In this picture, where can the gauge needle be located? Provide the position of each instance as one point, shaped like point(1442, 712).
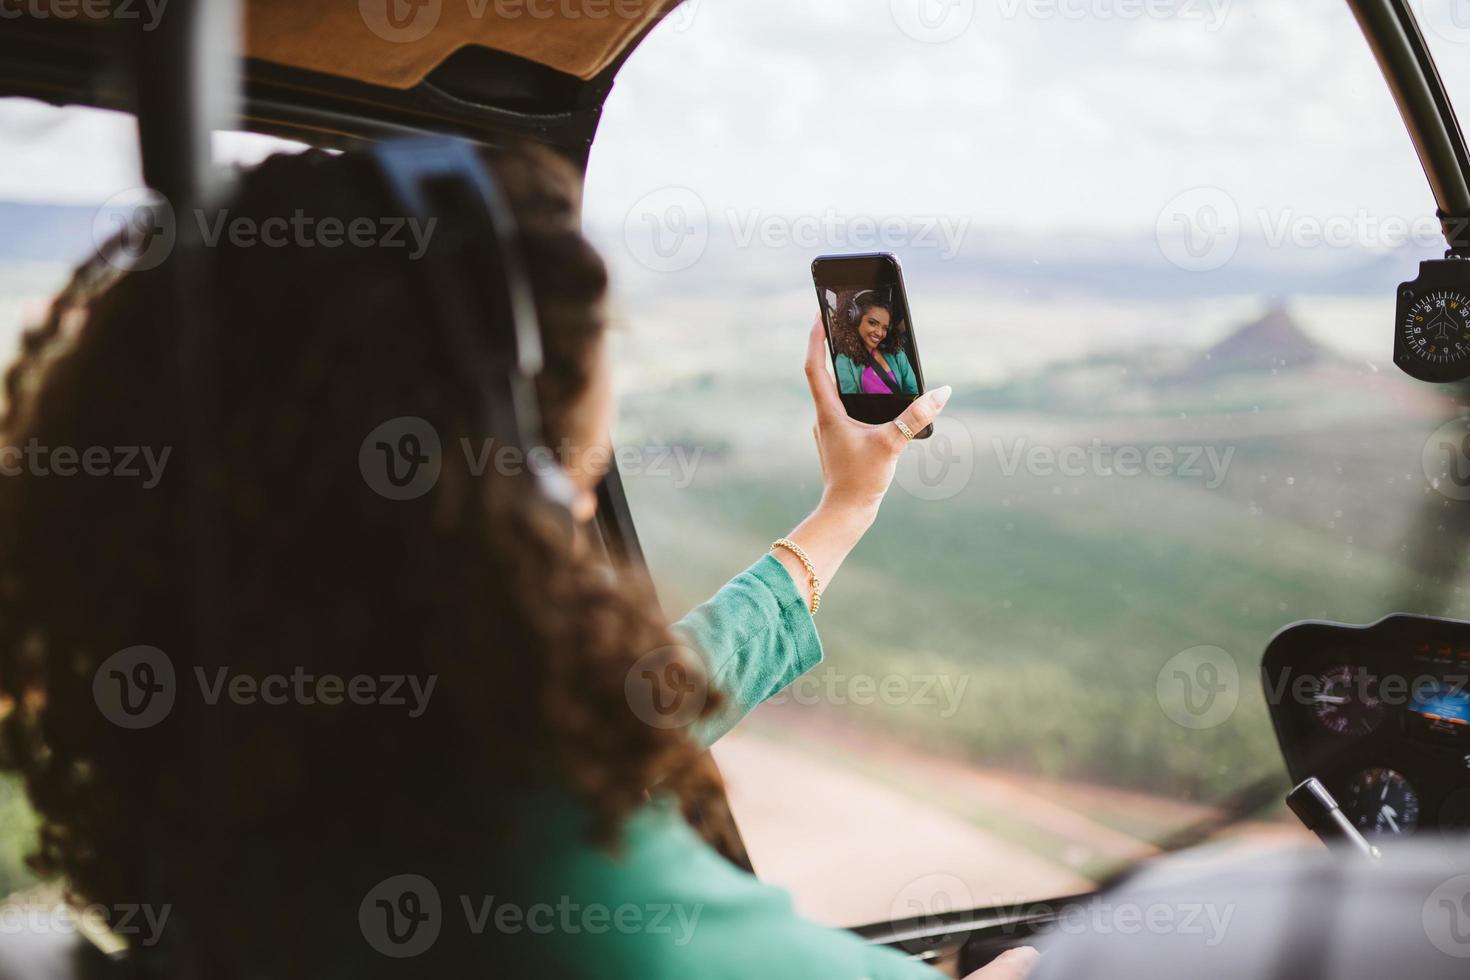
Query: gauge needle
point(1387, 814)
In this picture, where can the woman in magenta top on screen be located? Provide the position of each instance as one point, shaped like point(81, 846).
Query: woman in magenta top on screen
point(868, 338)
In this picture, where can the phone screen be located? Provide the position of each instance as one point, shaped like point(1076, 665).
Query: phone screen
point(870, 335)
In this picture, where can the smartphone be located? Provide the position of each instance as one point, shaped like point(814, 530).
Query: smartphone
point(870, 335)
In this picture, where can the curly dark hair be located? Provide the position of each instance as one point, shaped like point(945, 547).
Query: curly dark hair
point(845, 338)
point(244, 819)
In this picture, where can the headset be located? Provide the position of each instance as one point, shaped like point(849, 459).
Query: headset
point(478, 283)
point(854, 313)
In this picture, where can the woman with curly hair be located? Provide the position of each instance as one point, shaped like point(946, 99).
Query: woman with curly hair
point(868, 339)
point(424, 737)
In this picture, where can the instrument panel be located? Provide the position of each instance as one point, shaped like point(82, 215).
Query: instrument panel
point(1381, 715)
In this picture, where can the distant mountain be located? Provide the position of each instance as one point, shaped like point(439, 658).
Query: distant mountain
point(1270, 361)
point(1273, 342)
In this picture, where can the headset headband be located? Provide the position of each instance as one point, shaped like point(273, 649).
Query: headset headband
point(479, 286)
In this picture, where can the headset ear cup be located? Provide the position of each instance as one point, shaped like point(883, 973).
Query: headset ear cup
point(853, 313)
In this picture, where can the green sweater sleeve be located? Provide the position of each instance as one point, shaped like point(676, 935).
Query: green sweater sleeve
point(756, 637)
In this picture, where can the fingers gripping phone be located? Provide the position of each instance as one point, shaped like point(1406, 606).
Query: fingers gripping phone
point(870, 335)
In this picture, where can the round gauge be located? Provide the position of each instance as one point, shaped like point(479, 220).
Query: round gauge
point(1454, 814)
point(1381, 801)
point(1346, 701)
point(1437, 327)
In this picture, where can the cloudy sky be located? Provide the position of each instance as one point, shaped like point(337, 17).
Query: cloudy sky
point(1034, 115)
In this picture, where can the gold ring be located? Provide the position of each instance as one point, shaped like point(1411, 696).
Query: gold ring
point(904, 428)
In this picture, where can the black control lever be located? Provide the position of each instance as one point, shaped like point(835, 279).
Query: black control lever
point(1316, 808)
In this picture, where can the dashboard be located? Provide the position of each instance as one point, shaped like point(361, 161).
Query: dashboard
point(1381, 715)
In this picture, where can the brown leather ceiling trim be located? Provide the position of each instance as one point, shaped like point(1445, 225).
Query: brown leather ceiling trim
point(396, 43)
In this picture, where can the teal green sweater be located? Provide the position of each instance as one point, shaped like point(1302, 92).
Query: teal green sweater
point(850, 373)
point(718, 921)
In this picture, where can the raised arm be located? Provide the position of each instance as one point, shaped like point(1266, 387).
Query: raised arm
point(757, 634)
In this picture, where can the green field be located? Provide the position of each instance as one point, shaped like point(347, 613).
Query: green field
point(1060, 598)
point(1056, 599)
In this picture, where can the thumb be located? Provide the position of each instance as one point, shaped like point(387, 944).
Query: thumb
point(925, 409)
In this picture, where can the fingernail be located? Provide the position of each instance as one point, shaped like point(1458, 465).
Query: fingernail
point(941, 395)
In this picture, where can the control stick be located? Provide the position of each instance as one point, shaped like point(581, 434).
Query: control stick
point(1316, 808)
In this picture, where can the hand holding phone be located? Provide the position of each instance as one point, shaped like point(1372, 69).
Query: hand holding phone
point(870, 334)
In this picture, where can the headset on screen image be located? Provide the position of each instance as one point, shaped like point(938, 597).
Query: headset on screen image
point(853, 312)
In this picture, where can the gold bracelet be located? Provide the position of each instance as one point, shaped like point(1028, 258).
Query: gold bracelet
point(806, 563)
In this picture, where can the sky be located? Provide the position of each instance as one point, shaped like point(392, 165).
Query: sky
point(1039, 115)
point(1040, 132)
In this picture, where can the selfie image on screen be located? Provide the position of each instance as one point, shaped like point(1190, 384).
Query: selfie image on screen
point(870, 341)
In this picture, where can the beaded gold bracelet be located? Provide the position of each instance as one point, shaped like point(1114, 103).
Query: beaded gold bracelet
point(806, 563)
